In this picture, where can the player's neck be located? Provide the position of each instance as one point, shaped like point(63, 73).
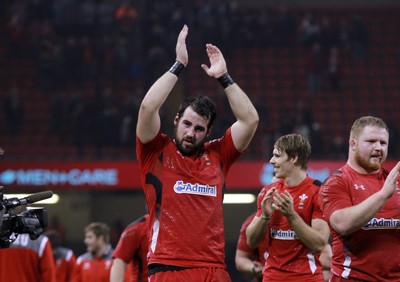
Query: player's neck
point(356, 167)
point(101, 251)
point(295, 178)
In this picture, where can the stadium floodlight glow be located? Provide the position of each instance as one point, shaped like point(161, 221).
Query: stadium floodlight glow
point(50, 201)
point(239, 198)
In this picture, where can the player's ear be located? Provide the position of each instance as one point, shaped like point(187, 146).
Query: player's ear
point(209, 131)
point(295, 159)
point(352, 144)
point(176, 119)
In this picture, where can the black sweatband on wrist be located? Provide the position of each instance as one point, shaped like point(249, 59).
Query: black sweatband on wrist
point(225, 80)
point(177, 68)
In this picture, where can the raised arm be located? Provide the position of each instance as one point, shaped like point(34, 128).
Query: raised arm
point(246, 115)
point(149, 122)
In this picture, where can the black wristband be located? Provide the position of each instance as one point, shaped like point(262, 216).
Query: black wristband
point(177, 68)
point(225, 80)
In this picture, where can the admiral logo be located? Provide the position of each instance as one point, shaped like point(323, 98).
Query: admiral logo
point(196, 189)
point(283, 234)
point(73, 177)
point(382, 223)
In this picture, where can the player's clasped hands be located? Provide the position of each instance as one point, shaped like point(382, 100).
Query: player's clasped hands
point(282, 202)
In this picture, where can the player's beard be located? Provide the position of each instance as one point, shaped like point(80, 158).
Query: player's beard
point(188, 151)
point(366, 163)
point(92, 249)
point(95, 250)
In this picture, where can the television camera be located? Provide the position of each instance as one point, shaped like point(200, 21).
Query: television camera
point(32, 220)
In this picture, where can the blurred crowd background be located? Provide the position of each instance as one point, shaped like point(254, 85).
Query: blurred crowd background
point(73, 72)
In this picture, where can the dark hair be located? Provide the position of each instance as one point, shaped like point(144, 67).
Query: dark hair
point(295, 145)
point(202, 105)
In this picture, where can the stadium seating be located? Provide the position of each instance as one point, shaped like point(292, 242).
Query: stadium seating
point(274, 77)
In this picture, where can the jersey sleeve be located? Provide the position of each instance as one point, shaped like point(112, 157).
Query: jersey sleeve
point(317, 211)
point(146, 150)
point(71, 264)
point(229, 153)
point(128, 244)
point(333, 196)
point(47, 265)
point(77, 273)
point(242, 242)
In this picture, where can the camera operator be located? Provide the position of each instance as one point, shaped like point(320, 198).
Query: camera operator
point(26, 255)
point(28, 260)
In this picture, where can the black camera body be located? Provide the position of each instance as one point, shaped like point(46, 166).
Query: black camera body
point(31, 221)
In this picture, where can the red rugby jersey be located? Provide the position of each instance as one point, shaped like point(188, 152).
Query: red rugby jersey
point(373, 252)
point(289, 259)
point(184, 196)
point(28, 260)
point(93, 269)
point(132, 248)
point(65, 261)
point(261, 251)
